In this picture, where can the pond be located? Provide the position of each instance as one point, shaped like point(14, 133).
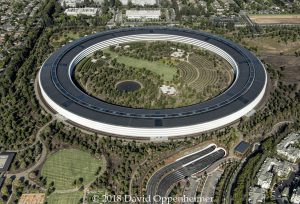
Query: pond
point(128, 85)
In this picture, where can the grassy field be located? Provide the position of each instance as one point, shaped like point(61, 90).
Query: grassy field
point(65, 198)
point(67, 165)
point(276, 19)
point(69, 35)
point(158, 67)
point(62, 38)
point(272, 45)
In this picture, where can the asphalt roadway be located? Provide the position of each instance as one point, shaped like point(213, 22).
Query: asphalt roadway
point(164, 179)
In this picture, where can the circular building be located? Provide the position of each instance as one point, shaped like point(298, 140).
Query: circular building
point(61, 93)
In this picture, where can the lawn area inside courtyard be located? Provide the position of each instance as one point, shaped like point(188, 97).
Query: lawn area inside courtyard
point(165, 71)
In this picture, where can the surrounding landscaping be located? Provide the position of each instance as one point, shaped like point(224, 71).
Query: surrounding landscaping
point(223, 183)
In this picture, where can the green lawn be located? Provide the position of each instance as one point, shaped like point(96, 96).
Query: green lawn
point(65, 198)
point(167, 72)
point(63, 36)
point(67, 165)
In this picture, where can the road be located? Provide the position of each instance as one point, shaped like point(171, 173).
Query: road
point(157, 176)
point(190, 191)
point(164, 179)
point(209, 186)
point(244, 15)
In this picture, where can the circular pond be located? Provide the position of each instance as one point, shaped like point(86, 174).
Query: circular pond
point(128, 85)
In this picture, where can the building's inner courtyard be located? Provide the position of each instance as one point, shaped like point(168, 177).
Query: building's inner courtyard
point(154, 75)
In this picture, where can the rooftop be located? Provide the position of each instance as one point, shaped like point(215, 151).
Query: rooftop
point(139, 2)
point(81, 11)
point(286, 148)
point(143, 13)
point(256, 195)
point(169, 90)
point(242, 147)
point(6, 159)
point(296, 196)
point(268, 168)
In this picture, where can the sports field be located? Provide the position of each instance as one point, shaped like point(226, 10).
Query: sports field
point(276, 19)
point(165, 71)
point(65, 198)
point(68, 165)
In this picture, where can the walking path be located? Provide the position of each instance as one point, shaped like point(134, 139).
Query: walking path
point(277, 125)
point(24, 174)
point(133, 175)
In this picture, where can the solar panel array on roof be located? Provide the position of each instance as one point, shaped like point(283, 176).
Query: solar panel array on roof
point(242, 147)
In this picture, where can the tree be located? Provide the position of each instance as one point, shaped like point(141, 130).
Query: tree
point(4, 190)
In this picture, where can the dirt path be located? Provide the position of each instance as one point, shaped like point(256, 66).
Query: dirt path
point(133, 175)
point(275, 127)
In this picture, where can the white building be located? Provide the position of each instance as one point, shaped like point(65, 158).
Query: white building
point(265, 179)
point(257, 195)
point(267, 170)
point(283, 168)
point(169, 90)
point(81, 11)
point(285, 148)
point(70, 3)
point(143, 14)
point(178, 53)
point(139, 2)
point(296, 196)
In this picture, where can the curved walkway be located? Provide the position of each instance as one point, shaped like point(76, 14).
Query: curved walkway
point(275, 127)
